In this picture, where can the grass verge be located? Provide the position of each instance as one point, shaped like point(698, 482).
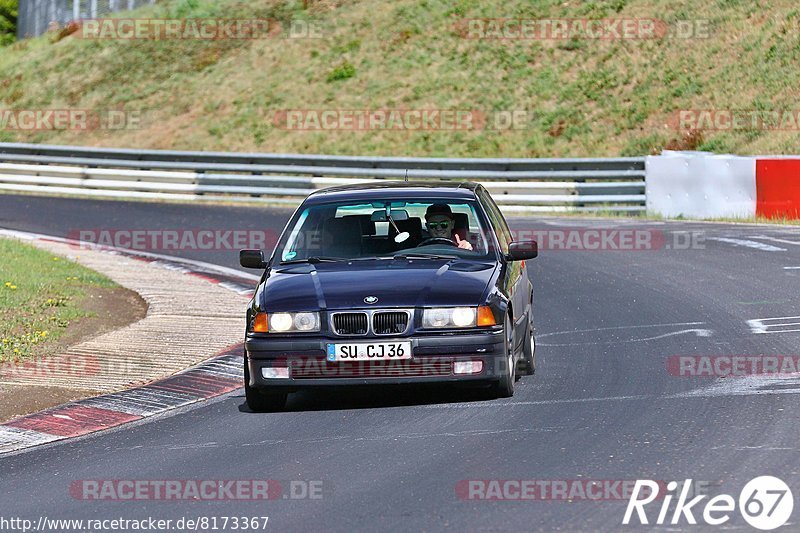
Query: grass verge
point(38, 298)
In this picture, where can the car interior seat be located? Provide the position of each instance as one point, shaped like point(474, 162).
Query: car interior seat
point(341, 237)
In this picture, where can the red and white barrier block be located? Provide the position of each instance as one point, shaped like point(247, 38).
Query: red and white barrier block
point(705, 185)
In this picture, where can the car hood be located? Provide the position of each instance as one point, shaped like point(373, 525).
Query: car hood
point(397, 283)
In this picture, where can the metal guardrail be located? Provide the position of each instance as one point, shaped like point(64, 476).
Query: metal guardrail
point(37, 16)
point(535, 185)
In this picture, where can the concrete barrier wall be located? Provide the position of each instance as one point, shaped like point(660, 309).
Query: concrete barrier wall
point(704, 185)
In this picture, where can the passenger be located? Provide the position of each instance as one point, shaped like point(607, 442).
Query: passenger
point(440, 223)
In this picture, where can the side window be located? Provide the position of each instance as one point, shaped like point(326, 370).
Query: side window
point(498, 222)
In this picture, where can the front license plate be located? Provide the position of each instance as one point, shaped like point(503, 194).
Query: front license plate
point(369, 351)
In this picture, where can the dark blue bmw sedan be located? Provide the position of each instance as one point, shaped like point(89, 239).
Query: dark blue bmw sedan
point(390, 283)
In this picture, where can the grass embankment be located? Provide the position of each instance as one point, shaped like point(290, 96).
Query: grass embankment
point(588, 97)
point(39, 298)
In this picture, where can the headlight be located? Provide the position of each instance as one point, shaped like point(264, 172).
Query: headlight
point(463, 317)
point(306, 322)
point(280, 322)
point(449, 317)
point(285, 322)
point(436, 318)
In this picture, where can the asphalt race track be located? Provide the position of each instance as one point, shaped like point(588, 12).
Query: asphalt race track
point(603, 404)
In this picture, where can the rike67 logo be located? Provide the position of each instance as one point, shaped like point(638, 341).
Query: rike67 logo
point(765, 503)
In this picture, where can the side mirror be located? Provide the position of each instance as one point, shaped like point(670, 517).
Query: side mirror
point(252, 259)
point(519, 251)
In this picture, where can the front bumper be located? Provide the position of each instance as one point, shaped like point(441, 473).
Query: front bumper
point(432, 361)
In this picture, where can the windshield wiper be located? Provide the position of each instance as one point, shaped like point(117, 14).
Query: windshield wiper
point(314, 259)
point(424, 256)
point(372, 258)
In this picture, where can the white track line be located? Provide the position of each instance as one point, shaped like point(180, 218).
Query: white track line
point(749, 244)
point(567, 332)
point(774, 239)
point(764, 325)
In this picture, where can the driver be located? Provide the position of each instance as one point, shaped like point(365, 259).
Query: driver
point(440, 223)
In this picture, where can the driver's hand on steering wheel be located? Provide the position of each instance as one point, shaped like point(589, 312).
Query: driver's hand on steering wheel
point(463, 243)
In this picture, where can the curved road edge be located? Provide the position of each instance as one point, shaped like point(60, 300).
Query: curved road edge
point(127, 366)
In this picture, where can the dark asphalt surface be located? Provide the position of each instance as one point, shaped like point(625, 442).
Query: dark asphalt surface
point(602, 405)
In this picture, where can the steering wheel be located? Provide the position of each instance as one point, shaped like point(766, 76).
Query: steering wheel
point(437, 240)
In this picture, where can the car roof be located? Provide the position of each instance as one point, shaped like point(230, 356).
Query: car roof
point(390, 190)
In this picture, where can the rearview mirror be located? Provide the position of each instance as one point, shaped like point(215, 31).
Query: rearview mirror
point(252, 259)
point(519, 251)
point(397, 214)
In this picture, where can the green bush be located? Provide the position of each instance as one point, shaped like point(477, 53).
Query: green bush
point(9, 9)
point(342, 72)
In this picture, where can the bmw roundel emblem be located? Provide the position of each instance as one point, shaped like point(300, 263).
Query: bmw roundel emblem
point(370, 299)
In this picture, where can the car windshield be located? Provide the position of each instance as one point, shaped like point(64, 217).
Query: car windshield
point(386, 229)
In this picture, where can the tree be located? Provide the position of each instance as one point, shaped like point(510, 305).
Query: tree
point(9, 9)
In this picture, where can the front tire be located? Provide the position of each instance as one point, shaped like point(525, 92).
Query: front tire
point(528, 363)
point(504, 388)
point(259, 401)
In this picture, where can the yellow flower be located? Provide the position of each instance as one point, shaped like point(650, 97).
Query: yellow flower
point(8, 283)
point(56, 259)
point(16, 350)
point(12, 287)
point(5, 341)
point(43, 334)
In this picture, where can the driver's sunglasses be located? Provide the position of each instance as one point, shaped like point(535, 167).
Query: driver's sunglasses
point(439, 225)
